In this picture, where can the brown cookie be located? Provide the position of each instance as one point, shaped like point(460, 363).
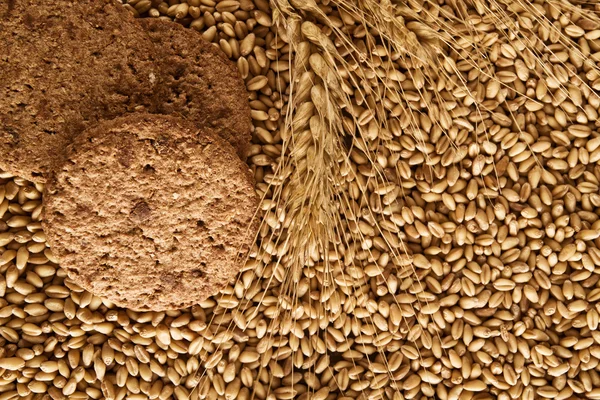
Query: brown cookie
point(64, 65)
point(203, 86)
point(150, 212)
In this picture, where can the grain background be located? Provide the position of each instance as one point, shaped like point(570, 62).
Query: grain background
point(431, 218)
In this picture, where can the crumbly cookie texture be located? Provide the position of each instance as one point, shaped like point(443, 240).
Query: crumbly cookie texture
point(65, 65)
point(150, 212)
point(201, 84)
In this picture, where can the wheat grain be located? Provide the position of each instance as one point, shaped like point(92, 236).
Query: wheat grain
point(437, 174)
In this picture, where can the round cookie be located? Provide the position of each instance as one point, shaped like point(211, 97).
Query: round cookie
point(64, 65)
point(150, 212)
point(202, 85)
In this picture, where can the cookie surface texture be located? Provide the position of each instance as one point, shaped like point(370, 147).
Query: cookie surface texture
point(64, 65)
point(151, 213)
point(201, 84)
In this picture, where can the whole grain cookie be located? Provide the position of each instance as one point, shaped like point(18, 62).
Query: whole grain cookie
point(202, 85)
point(64, 65)
point(150, 212)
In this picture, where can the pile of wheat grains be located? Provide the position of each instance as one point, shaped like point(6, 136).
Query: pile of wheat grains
point(466, 260)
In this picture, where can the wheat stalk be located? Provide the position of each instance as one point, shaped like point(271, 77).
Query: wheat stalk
point(325, 126)
point(336, 50)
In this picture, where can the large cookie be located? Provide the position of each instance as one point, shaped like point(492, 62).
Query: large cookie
point(150, 212)
point(64, 65)
point(202, 85)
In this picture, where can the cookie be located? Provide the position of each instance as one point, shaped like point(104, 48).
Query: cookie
point(64, 65)
point(150, 212)
point(202, 85)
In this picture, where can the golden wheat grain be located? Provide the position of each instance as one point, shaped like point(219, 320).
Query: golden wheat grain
point(527, 225)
